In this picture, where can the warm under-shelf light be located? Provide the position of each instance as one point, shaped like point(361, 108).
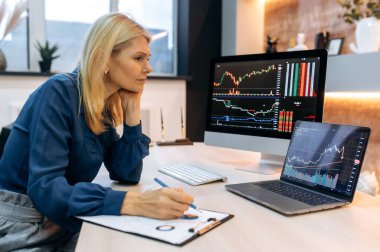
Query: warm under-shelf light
point(360, 95)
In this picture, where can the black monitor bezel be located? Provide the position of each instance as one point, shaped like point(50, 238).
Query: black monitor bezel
point(321, 53)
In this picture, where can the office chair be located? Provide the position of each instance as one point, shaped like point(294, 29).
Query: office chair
point(5, 131)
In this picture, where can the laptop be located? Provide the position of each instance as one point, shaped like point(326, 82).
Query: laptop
point(320, 171)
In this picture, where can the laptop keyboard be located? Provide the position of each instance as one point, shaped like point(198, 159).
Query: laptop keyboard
point(295, 193)
point(191, 174)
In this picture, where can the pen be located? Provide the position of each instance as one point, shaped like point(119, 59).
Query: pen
point(162, 127)
point(207, 228)
point(165, 185)
point(182, 126)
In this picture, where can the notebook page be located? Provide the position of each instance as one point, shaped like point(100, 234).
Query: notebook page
point(174, 231)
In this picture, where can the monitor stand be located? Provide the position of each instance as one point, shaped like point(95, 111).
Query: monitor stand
point(269, 164)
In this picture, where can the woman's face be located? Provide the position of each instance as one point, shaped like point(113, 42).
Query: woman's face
point(128, 69)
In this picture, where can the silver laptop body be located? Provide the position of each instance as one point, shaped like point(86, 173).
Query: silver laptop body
point(320, 171)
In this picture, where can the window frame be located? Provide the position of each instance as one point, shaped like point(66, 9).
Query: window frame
point(36, 30)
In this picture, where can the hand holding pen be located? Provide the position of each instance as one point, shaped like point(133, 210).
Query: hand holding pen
point(165, 185)
point(166, 203)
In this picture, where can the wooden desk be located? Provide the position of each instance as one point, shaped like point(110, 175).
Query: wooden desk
point(254, 228)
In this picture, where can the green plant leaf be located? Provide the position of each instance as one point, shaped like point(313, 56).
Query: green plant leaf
point(47, 52)
point(358, 9)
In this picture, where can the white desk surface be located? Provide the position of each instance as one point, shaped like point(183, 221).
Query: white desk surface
point(254, 227)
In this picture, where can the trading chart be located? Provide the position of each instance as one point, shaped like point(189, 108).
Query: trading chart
point(325, 156)
point(265, 96)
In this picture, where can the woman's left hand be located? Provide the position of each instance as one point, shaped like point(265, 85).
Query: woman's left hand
point(130, 102)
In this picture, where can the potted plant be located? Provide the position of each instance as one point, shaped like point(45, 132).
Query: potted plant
point(366, 15)
point(47, 55)
point(356, 10)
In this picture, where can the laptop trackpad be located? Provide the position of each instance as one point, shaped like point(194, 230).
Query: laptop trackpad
point(267, 198)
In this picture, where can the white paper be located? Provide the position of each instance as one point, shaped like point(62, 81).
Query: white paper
point(148, 227)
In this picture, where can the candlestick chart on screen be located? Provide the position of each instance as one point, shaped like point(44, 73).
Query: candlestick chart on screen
point(264, 96)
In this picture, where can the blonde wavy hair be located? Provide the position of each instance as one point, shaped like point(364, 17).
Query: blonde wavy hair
point(107, 36)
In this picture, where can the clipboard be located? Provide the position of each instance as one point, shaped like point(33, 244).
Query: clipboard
point(176, 232)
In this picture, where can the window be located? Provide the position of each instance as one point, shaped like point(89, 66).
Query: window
point(14, 44)
point(67, 26)
point(159, 18)
point(66, 23)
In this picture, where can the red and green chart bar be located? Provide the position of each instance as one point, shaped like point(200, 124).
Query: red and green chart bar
point(285, 121)
point(299, 79)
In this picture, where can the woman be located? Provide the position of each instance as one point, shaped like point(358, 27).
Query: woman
point(65, 131)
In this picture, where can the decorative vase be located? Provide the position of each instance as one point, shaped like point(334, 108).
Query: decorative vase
point(45, 66)
point(367, 35)
point(3, 61)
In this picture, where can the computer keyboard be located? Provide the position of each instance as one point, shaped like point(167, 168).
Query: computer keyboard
point(191, 174)
point(296, 193)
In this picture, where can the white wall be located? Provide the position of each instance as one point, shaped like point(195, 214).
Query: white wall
point(14, 90)
point(168, 94)
point(242, 26)
point(353, 72)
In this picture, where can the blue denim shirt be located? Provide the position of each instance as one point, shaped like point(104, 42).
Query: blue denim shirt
point(52, 156)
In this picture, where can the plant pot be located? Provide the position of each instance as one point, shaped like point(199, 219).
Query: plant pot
point(3, 61)
point(367, 35)
point(45, 66)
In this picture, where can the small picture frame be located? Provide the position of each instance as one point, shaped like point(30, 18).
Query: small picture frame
point(334, 46)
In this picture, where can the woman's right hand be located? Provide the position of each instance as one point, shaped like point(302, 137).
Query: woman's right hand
point(130, 102)
point(164, 203)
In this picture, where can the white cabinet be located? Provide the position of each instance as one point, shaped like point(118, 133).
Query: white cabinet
point(168, 94)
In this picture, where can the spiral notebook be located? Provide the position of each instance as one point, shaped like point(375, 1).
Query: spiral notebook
point(177, 231)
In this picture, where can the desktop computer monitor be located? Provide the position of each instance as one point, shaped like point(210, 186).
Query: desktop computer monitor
point(254, 101)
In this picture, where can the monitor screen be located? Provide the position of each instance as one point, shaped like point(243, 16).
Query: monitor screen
point(263, 95)
point(326, 156)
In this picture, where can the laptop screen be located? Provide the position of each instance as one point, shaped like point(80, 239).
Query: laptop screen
point(326, 156)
